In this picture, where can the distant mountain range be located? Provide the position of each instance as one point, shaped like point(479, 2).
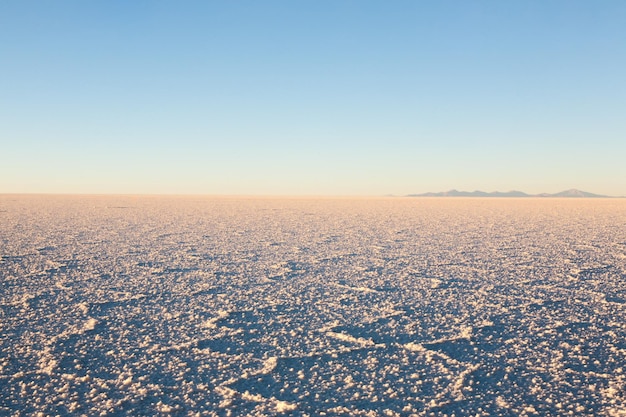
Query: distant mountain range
point(573, 193)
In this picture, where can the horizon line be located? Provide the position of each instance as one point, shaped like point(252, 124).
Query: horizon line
point(542, 196)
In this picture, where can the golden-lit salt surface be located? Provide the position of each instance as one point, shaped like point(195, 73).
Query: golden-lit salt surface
point(250, 306)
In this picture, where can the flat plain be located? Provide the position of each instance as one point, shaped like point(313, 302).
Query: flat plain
point(138, 305)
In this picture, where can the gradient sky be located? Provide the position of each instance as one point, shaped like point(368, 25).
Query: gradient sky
point(312, 97)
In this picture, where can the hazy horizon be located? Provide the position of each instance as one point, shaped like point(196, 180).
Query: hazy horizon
point(312, 196)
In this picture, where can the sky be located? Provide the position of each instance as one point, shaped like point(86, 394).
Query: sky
point(312, 97)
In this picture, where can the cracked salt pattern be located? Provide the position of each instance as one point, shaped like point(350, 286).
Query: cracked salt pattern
point(250, 306)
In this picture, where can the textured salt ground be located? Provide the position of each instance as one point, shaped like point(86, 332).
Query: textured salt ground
point(233, 306)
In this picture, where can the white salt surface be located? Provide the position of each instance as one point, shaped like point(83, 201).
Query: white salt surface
point(234, 306)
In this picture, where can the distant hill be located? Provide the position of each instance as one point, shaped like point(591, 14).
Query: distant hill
point(578, 194)
point(573, 193)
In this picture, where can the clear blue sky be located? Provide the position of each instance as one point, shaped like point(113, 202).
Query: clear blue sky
point(312, 97)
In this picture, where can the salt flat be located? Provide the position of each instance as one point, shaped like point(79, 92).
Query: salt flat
point(251, 306)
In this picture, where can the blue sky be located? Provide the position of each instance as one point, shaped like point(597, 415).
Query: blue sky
point(312, 97)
